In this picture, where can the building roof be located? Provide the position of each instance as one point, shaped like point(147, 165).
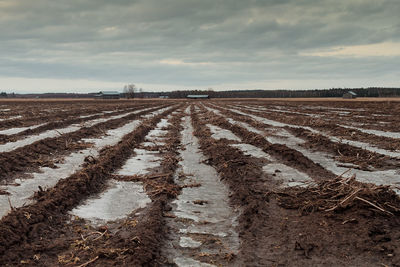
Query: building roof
point(351, 92)
point(197, 96)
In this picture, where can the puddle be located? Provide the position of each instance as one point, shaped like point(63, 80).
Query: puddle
point(91, 115)
point(288, 175)
point(282, 133)
point(247, 149)
point(236, 122)
point(187, 242)
point(270, 110)
point(19, 129)
point(122, 198)
point(253, 151)
point(11, 118)
point(100, 120)
point(144, 159)
point(358, 144)
point(387, 177)
point(33, 138)
point(260, 119)
point(365, 146)
point(219, 133)
point(54, 133)
point(375, 132)
point(157, 112)
point(140, 163)
point(118, 201)
point(48, 177)
point(204, 209)
point(157, 135)
point(322, 108)
point(188, 262)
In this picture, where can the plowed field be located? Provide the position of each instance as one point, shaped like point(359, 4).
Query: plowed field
point(199, 183)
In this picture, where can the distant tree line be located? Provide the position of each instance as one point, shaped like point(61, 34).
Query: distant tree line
point(47, 95)
point(131, 91)
point(333, 92)
point(5, 95)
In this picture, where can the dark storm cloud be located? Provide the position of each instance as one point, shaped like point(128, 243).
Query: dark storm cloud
point(196, 43)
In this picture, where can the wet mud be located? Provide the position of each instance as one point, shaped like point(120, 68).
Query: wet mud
point(202, 222)
point(40, 219)
point(204, 186)
point(44, 153)
point(288, 236)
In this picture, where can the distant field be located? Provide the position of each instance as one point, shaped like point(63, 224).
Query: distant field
point(223, 182)
point(322, 99)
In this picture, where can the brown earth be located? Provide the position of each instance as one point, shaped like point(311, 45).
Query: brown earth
point(336, 221)
point(43, 153)
point(276, 235)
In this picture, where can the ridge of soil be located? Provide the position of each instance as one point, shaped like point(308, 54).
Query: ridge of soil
point(287, 155)
point(330, 127)
point(53, 124)
point(273, 235)
point(344, 153)
point(41, 153)
point(32, 115)
point(329, 221)
point(138, 239)
point(38, 219)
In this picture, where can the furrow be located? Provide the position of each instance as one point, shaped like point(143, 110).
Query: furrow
point(44, 152)
point(321, 158)
point(201, 220)
point(51, 204)
point(373, 140)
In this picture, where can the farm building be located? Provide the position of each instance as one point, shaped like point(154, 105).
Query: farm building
point(108, 95)
point(198, 96)
point(349, 95)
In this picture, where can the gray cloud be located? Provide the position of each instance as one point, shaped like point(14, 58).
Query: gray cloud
point(196, 43)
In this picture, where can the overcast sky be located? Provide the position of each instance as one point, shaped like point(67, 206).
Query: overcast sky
point(88, 45)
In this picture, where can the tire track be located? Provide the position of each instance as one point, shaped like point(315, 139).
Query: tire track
point(202, 222)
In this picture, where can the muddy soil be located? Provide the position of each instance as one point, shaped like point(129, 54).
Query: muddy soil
point(286, 155)
point(45, 153)
point(364, 159)
point(55, 122)
point(379, 116)
point(25, 114)
point(202, 223)
point(275, 235)
point(40, 221)
point(211, 189)
point(331, 127)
